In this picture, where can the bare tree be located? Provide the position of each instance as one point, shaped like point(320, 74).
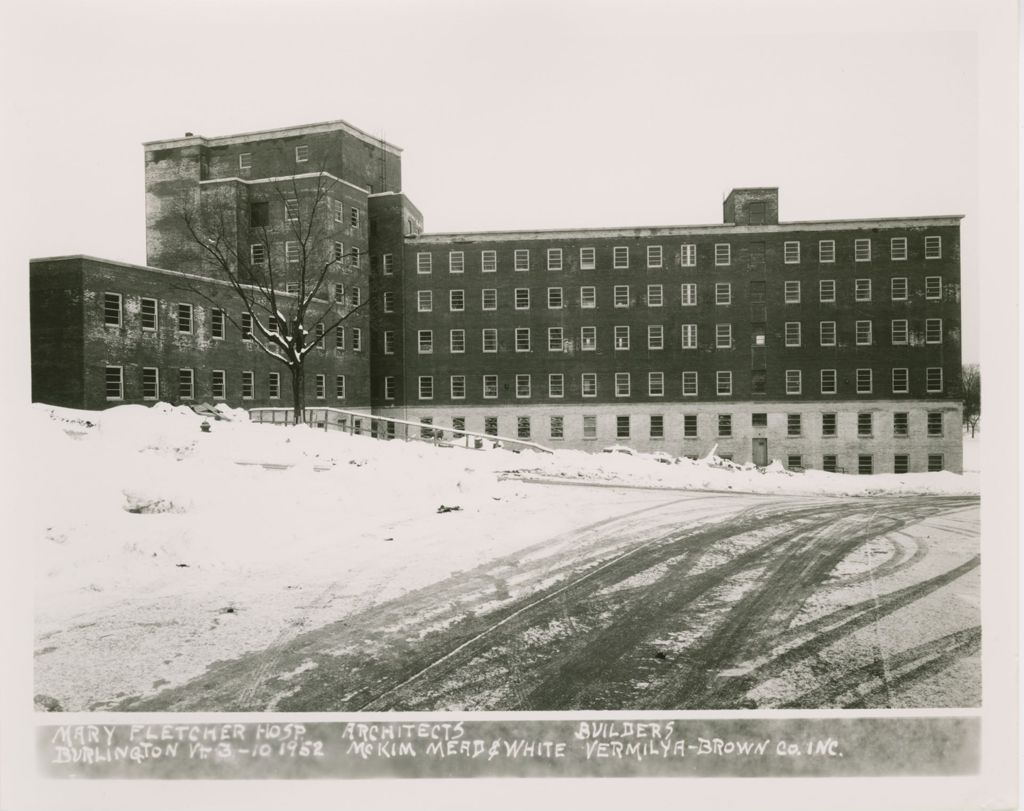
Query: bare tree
point(286, 274)
point(970, 382)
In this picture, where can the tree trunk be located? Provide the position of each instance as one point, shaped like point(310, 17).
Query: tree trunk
point(298, 393)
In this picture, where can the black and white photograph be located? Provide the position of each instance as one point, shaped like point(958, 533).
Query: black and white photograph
point(579, 390)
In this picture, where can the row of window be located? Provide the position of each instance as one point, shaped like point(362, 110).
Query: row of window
point(656, 387)
point(301, 156)
point(655, 255)
point(293, 253)
point(185, 389)
point(259, 213)
point(622, 295)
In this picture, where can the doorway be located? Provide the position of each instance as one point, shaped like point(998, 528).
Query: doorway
point(760, 451)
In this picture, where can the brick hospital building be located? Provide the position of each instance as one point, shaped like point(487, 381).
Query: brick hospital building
point(830, 344)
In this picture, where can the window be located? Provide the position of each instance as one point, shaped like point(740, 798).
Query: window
point(246, 327)
point(186, 384)
point(249, 385)
point(865, 466)
point(898, 288)
point(490, 340)
point(794, 381)
point(426, 387)
point(291, 210)
point(355, 296)
point(424, 263)
point(555, 336)
point(933, 288)
point(339, 387)
point(245, 160)
point(114, 382)
point(794, 425)
point(900, 331)
point(424, 301)
point(827, 291)
point(862, 250)
point(489, 299)
point(588, 384)
point(274, 385)
point(829, 462)
point(458, 387)
point(338, 251)
point(933, 330)
point(339, 211)
point(588, 259)
point(185, 318)
point(792, 292)
point(655, 336)
point(865, 423)
point(622, 426)
point(456, 300)
point(291, 287)
point(292, 253)
point(723, 253)
point(257, 253)
point(792, 333)
point(456, 262)
point(387, 262)
point(151, 383)
point(389, 342)
point(827, 250)
point(901, 423)
point(589, 426)
point(112, 310)
point(935, 461)
point(456, 341)
point(301, 153)
point(828, 381)
point(862, 290)
point(588, 298)
point(148, 315)
point(320, 336)
point(259, 214)
point(794, 461)
point(425, 340)
point(791, 253)
point(620, 295)
point(655, 295)
point(622, 384)
point(353, 218)
point(864, 381)
point(339, 339)
point(933, 379)
point(828, 424)
point(622, 337)
point(901, 463)
point(554, 298)
point(523, 385)
point(656, 384)
point(620, 258)
point(523, 427)
point(490, 386)
point(689, 332)
point(588, 339)
point(827, 333)
point(272, 323)
point(389, 300)
point(689, 384)
point(556, 385)
point(554, 258)
point(488, 261)
point(522, 298)
point(339, 295)
point(426, 432)
point(723, 293)
point(758, 337)
point(863, 333)
point(934, 423)
point(522, 339)
point(898, 249)
point(725, 424)
point(491, 426)
point(522, 260)
point(390, 388)
point(688, 255)
point(689, 426)
point(654, 256)
point(758, 381)
point(723, 384)
point(933, 247)
point(759, 420)
point(723, 336)
point(688, 293)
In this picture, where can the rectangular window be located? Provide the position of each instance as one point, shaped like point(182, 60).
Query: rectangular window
point(689, 333)
point(622, 384)
point(390, 388)
point(900, 331)
point(426, 387)
point(588, 298)
point(425, 341)
point(301, 153)
point(898, 288)
point(933, 247)
point(356, 258)
point(657, 426)
point(387, 262)
point(112, 310)
point(933, 379)
point(355, 296)
point(655, 295)
point(620, 258)
point(828, 424)
point(554, 258)
point(291, 287)
point(827, 333)
point(829, 462)
point(688, 294)
point(723, 336)
point(864, 381)
point(424, 263)
point(723, 384)
point(426, 432)
point(456, 341)
point(655, 336)
point(357, 339)
point(151, 383)
point(523, 427)
point(654, 256)
point(337, 251)
point(865, 465)
point(291, 210)
point(555, 337)
point(622, 426)
point(339, 211)
point(389, 342)
point(557, 428)
point(794, 461)
point(491, 426)
point(689, 384)
point(589, 426)
point(862, 250)
point(588, 259)
point(320, 336)
point(249, 385)
point(524, 386)
point(522, 298)
point(688, 255)
point(292, 253)
point(522, 259)
point(827, 291)
point(901, 423)
point(488, 262)
point(794, 381)
point(424, 301)
point(933, 330)
point(862, 290)
point(456, 262)
point(901, 463)
point(622, 337)
point(792, 333)
point(556, 385)
point(865, 423)
point(490, 386)
point(274, 385)
point(934, 423)
point(490, 340)
point(725, 424)
point(898, 249)
point(620, 295)
point(216, 323)
point(828, 381)
point(655, 384)
point(114, 382)
point(794, 425)
point(827, 250)
point(257, 253)
point(456, 300)
point(935, 463)
point(458, 387)
point(792, 292)
point(246, 327)
point(339, 339)
point(522, 339)
point(353, 218)
point(791, 253)
point(339, 295)
point(723, 254)
point(186, 384)
point(489, 299)
point(339, 387)
point(723, 293)
point(690, 426)
point(245, 160)
point(863, 333)
point(148, 314)
point(588, 339)
point(758, 336)
point(185, 318)
point(588, 384)
point(933, 288)
point(554, 298)
point(259, 214)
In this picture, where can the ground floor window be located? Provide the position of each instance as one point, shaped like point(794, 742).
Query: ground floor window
point(557, 427)
point(935, 462)
point(151, 383)
point(794, 461)
point(426, 432)
point(689, 425)
point(186, 384)
point(622, 427)
point(491, 426)
point(459, 425)
point(523, 427)
point(901, 463)
point(865, 465)
point(115, 382)
point(724, 426)
point(589, 426)
point(657, 426)
point(828, 463)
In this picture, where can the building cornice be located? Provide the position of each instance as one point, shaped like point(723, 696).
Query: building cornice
point(282, 179)
point(282, 132)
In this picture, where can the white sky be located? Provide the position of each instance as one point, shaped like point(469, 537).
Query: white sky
point(513, 115)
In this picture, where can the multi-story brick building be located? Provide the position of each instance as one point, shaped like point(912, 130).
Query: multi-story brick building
point(826, 344)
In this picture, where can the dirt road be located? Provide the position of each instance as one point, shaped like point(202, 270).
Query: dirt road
point(700, 601)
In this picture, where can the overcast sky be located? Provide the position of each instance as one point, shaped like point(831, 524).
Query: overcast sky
point(513, 115)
